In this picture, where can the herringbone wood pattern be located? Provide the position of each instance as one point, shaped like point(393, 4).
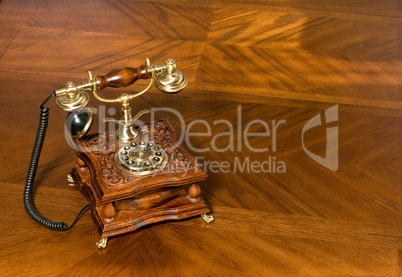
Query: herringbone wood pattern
point(272, 60)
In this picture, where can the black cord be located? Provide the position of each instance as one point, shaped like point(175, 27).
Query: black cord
point(47, 99)
point(33, 166)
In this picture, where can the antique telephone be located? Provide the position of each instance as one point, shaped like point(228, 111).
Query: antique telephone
point(131, 177)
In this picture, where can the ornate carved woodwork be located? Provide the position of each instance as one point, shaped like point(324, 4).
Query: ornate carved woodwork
point(122, 202)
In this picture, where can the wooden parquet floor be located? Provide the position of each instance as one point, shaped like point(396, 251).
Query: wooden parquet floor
point(248, 63)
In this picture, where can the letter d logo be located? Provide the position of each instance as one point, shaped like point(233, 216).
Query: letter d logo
point(331, 153)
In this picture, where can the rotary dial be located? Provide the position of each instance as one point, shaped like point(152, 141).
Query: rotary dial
point(141, 158)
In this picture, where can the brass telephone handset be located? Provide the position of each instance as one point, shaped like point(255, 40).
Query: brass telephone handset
point(167, 78)
point(73, 98)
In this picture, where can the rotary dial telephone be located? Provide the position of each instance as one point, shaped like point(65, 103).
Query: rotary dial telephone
point(131, 177)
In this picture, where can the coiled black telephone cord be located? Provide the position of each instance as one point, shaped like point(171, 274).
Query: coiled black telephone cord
point(33, 166)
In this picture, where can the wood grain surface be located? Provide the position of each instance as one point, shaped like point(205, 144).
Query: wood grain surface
point(270, 61)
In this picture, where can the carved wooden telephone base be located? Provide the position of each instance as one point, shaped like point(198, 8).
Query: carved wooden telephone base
point(121, 202)
point(133, 177)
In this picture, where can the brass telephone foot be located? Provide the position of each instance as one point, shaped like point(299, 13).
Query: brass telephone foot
point(207, 218)
point(102, 243)
point(70, 180)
